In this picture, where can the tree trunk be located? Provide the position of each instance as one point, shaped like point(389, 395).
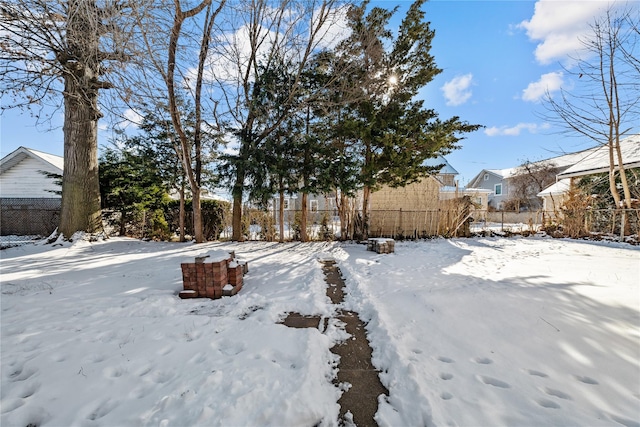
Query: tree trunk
point(182, 213)
point(80, 210)
point(303, 218)
point(342, 214)
point(281, 217)
point(612, 176)
point(236, 220)
point(197, 217)
point(366, 193)
point(623, 176)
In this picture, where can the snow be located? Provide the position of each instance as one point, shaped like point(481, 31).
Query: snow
point(466, 332)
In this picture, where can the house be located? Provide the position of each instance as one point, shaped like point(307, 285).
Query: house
point(595, 160)
point(29, 200)
point(499, 181)
point(554, 196)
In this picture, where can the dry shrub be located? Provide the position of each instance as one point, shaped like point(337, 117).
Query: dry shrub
point(573, 219)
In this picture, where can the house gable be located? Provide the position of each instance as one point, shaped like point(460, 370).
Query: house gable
point(21, 177)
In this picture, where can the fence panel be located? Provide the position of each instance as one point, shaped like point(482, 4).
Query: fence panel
point(29, 216)
point(26, 219)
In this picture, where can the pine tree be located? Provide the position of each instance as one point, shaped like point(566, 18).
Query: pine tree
point(394, 132)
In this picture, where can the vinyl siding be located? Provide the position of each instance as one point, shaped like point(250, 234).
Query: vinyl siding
point(25, 180)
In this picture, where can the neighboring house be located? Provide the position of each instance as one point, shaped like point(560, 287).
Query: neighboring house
point(29, 200)
point(554, 196)
point(318, 206)
point(595, 160)
point(205, 194)
point(497, 181)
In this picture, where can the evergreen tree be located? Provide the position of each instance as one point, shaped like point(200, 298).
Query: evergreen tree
point(394, 132)
point(130, 183)
point(159, 141)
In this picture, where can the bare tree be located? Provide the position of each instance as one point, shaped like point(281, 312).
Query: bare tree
point(530, 179)
point(54, 49)
point(175, 38)
point(193, 174)
point(605, 103)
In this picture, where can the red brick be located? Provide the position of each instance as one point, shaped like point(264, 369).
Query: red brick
point(236, 278)
point(188, 294)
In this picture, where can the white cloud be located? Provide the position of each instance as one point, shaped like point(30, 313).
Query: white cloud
point(335, 28)
point(558, 26)
point(133, 116)
point(515, 130)
point(457, 91)
point(548, 83)
point(231, 52)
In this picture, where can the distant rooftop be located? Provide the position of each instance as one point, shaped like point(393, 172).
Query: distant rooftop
point(597, 160)
point(447, 169)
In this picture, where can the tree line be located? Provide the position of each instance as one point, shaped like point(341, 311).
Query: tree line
point(312, 96)
point(306, 96)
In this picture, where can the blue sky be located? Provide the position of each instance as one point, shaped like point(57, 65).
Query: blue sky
point(497, 57)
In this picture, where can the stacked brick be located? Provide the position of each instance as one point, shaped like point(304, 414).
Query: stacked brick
point(381, 245)
point(212, 279)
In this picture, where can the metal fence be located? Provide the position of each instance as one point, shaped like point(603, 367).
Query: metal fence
point(26, 219)
point(402, 224)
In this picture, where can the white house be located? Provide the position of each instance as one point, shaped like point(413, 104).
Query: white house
point(29, 200)
point(21, 174)
point(595, 160)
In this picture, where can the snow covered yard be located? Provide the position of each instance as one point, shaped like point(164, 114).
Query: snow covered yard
point(467, 332)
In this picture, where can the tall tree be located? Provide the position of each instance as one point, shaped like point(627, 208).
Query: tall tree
point(175, 37)
point(193, 167)
point(257, 36)
point(54, 49)
point(395, 132)
point(158, 140)
point(604, 104)
point(130, 182)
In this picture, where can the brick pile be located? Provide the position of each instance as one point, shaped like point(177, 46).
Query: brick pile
point(381, 245)
point(212, 279)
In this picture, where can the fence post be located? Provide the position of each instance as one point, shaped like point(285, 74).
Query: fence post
point(502, 222)
point(623, 221)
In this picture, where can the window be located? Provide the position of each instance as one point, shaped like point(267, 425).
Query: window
point(286, 204)
point(498, 189)
point(314, 205)
point(486, 177)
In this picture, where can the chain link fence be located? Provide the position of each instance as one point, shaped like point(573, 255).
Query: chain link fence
point(23, 220)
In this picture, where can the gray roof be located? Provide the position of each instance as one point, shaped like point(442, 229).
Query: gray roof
point(597, 160)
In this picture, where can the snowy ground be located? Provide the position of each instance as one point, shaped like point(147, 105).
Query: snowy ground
point(467, 332)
